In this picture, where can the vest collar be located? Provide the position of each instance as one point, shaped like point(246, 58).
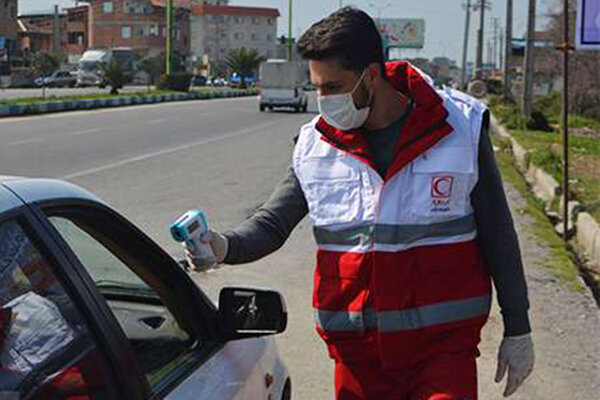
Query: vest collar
point(425, 126)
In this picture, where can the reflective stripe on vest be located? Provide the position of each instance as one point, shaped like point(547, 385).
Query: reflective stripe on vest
point(405, 320)
point(394, 234)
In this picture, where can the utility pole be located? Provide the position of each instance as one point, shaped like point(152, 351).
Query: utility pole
point(169, 41)
point(463, 72)
point(566, 47)
point(290, 43)
point(56, 31)
point(495, 20)
point(501, 51)
point(481, 5)
point(507, 48)
point(528, 87)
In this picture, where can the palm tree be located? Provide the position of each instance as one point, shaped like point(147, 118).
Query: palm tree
point(244, 62)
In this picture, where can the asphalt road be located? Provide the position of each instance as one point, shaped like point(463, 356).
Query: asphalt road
point(155, 162)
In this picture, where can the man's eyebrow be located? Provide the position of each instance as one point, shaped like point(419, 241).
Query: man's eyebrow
point(329, 84)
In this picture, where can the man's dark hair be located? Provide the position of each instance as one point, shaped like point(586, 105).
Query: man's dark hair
point(348, 35)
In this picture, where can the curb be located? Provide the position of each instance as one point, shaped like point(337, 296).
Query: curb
point(546, 188)
point(588, 235)
point(16, 110)
point(543, 184)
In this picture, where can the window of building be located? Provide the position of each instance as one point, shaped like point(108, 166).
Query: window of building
point(270, 21)
point(256, 21)
point(126, 32)
point(107, 7)
point(254, 36)
point(154, 30)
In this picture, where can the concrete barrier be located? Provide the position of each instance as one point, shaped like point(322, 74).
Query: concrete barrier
point(54, 106)
point(588, 236)
point(544, 186)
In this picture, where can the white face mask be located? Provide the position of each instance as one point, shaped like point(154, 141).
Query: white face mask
point(339, 110)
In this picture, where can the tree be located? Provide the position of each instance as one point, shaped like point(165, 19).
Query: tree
point(44, 64)
point(155, 66)
point(244, 62)
point(584, 85)
point(115, 76)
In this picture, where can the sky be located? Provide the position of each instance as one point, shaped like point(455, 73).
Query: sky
point(444, 19)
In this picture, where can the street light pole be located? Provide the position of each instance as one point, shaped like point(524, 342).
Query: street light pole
point(290, 48)
point(169, 39)
point(465, 46)
point(508, 48)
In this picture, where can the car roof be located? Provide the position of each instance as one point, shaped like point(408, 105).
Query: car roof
point(16, 191)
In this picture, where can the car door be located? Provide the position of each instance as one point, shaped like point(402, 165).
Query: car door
point(50, 347)
point(165, 319)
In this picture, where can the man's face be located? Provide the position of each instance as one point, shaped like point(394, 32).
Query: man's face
point(330, 77)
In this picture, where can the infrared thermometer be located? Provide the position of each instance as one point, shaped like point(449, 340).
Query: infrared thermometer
point(189, 229)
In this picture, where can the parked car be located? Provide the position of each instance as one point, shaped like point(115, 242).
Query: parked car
point(58, 79)
point(90, 307)
point(199, 80)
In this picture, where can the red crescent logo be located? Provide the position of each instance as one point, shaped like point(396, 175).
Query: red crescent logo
point(441, 187)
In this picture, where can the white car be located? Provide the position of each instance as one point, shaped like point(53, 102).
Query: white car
point(91, 308)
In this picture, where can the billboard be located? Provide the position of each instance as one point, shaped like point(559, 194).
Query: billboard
point(587, 35)
point(403, 33)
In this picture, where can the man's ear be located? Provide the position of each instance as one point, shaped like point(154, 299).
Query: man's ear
point(374, 75)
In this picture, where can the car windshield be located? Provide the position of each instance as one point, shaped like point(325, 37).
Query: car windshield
point(88, 66)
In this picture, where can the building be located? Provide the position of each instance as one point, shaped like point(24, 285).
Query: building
point(139, 24)
point(37, 34)
point(8, 33)
point(217, 28)
point(546, 76)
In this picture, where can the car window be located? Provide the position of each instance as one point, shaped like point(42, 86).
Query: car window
point(162, 346)
point(46, 349)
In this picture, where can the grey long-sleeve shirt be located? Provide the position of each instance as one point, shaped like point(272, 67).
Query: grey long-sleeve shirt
point(268, 229)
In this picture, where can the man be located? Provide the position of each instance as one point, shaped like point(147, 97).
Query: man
point(410, 219)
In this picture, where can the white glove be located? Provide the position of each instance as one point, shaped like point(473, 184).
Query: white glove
point(202, 262)
point(515, 354)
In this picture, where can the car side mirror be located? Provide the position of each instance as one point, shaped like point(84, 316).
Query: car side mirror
point(245, 313)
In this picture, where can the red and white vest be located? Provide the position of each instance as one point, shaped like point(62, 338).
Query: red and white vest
point(399, 274)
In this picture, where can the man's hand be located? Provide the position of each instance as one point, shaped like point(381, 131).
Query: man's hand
point(219, 246)
point(515, 355)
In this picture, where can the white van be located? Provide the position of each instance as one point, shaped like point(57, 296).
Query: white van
point(282, 85)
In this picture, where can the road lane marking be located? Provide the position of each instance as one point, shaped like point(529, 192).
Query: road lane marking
point(26, 141)
point(170, 150)
point(84, 132)
point(155, 121)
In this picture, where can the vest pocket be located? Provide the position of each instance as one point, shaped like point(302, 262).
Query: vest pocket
point(340, 295)
point(332, 189)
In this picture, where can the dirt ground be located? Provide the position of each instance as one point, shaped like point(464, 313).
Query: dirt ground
point(566, 331)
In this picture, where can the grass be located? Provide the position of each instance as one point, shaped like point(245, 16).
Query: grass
point(98, 96)
point(559, 261)
point(584, 167)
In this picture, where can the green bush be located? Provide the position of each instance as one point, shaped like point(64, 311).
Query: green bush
point(494, 86)
point(538, 122)
point(178, 81)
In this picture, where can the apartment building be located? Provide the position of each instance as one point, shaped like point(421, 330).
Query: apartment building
point(139, 24)
point(216, 28)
